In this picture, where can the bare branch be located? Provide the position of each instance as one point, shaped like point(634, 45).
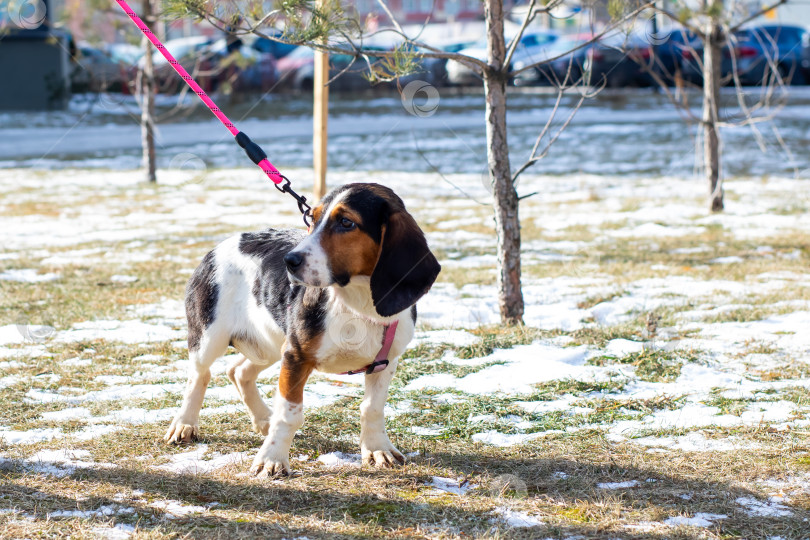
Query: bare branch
point(516, 40)
point(391, 16)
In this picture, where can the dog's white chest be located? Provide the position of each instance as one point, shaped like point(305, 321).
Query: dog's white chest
point(351, 342)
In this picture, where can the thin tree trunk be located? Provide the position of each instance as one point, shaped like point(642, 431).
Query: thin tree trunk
point(711, 109)
point(507, 223)
point(147, 94)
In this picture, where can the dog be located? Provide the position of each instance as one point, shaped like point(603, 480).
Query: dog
point(338, 299)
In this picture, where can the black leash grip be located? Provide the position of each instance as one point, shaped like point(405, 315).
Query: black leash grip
point(253, 150)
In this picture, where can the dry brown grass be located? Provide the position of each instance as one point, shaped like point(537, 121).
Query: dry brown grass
point(560, 470)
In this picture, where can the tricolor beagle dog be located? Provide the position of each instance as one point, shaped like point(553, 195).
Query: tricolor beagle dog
point(339, 299)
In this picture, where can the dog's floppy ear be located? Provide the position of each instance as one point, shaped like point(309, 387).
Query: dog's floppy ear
point(406, 268)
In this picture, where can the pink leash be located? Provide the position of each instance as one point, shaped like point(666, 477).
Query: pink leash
point(253, 150)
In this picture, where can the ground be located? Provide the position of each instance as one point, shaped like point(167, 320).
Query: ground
point(659, 388)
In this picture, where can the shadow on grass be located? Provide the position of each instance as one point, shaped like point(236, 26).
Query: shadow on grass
point(350, 502)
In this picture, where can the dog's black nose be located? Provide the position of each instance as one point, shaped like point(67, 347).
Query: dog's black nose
point(293, 260)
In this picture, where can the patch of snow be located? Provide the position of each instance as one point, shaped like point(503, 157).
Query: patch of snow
point(563, 403)
point(447, 398)
point(167, 310)
point(131, 332)
point(339, 459)
point(176, 509)
point(29, 351)
point(119, 278)
point(643, 526)
point(733, 259)
point(90, 433)
point(519, 372)
point(426, 431)
point(32, 436)
point(27, 275)
point(193, 463)
point(62, 462)
point(700, 519)
point(496, 438)
point(137, 416)
point(66, 415)
point(457, 338)
point(618, 485)
point(768, 412)
point(120, 531)
point(10, 334)
point(10, 364)
point(111, 379)
point(768, 508)
point(106, 510)
point(9, 380)
point(697, 442)
point(451, 485)
point(76, 362)
point(515, 518)
point(622, 347)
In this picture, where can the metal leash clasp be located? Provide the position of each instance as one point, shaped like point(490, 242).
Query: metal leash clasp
point(303, 207)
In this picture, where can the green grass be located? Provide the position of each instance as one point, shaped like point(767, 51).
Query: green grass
point(654, 365)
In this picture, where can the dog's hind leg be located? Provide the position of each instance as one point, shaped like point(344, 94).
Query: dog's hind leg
point(185, 426)
point(243, 374)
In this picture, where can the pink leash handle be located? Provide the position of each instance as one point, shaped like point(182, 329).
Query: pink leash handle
point(253, 150)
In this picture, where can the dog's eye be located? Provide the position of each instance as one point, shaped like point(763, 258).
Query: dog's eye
point(347, 224)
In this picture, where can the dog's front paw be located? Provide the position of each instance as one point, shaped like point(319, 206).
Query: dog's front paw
point(270, 468)
point(381, 454)
point(180, 432)
point(269, 464)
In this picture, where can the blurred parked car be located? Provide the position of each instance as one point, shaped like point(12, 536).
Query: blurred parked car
point(757, 51)
point(291, 64)
point(296, 70)
point(530, 44)
point(558, 55)
point(457, 45)
point(124, 53)
point(214, 63)
point(187, 52)
point(669, 50)
point(94, 70)
point(263, 45)
point(241, 66)
point(620, 60)
point(614, 61)
point(805, 57)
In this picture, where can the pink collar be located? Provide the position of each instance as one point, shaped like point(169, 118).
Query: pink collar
point(381, 360)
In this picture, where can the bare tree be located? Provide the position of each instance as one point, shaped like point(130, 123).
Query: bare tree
point(713, 24)
point(712, 36)
point(146, 92)
point(327, 27)
point(507, 222)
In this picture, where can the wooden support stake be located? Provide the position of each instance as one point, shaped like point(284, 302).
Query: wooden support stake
point(320, 118)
